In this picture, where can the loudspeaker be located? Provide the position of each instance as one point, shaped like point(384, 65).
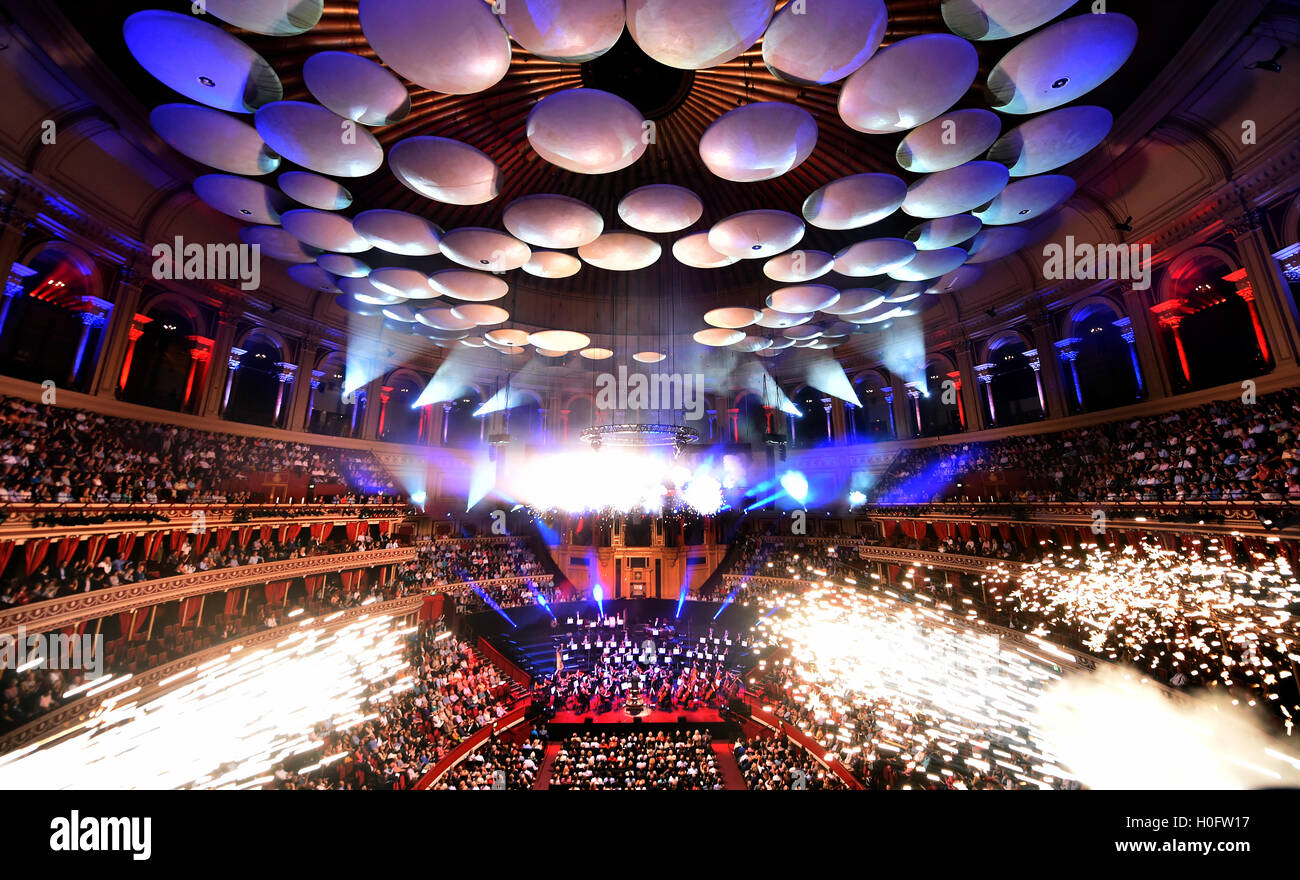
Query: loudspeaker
point(637, 720)
point(681, 719)
point(588, 721)
point(738, 706)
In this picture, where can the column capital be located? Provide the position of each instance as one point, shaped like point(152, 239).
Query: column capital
point(200, 348)
point(1068, 349)
point(1171, 312)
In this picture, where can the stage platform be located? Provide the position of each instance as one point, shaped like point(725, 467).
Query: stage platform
point(618, 716)
point(711, 721)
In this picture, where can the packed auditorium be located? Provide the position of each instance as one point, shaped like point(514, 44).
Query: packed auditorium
point(798, 395)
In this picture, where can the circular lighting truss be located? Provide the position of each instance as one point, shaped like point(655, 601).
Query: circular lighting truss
point(640, 435)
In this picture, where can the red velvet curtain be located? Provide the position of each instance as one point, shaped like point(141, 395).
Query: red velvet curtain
point(125, 543)
point(66, 550)
point(232, 601)
point(276, 591)
point(95, 548)
point(190, 608)
point(432, 607)
point(6, 552)
point(223, 538)
point(35, 553)
point(131, 621)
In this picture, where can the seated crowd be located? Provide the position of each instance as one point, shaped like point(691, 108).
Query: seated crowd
point(58, 454)
point(775, 764)
point(455, 693)
point(439, 563)
point(668, 760)
point(1220, 451)
point(52, 580)
point(517, 762)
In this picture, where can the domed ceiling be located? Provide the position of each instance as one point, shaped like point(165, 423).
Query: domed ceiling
point(584, 164)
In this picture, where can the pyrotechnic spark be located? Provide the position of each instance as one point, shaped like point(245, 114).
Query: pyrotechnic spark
point(893, 678)
point(231, 722)
point(1199, 614)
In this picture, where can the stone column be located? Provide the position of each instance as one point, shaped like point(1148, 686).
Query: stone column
point(124, 328)
point(968, 388)
point(1053, 388)
point(1155, 375)
point(232, 370)
point(901, 409)
point(1068, 351)
point(1170, 314)
point(284, 397)
point(217, 388)
point(15, 220)
point(12, 290)
point(984, 376)
point(839, 422)
point(94, 316)
point(1247, 293)
point(914, 410)
point(1129, 335)
point(200, 357)
point(1275, 305)
point(1036, 364)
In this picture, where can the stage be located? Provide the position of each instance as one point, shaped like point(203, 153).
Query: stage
point(618, 716)
point(565, 723)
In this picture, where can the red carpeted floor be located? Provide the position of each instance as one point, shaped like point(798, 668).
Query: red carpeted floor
point(618, 716)
point(543, 780)
point(731, 775)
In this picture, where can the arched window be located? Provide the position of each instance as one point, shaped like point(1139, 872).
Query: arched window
point(751, 422)
point(400, 422)
point(257, 395)
point(1008, 389)
point(1212, 321)
point(163, 369)
point(812, 428)
point(462, 427)
point(1104, 364)
point(49, 327)
point(938, 406)
point(523, 421)
point(331, 414)
point(874, 418)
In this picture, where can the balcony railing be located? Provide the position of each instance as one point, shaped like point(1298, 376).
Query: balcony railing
point(20, 521)
point(67, 611)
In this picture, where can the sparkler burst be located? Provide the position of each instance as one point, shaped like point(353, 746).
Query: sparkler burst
point(1191, 612)
point(229, 722)
point(877, 675)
